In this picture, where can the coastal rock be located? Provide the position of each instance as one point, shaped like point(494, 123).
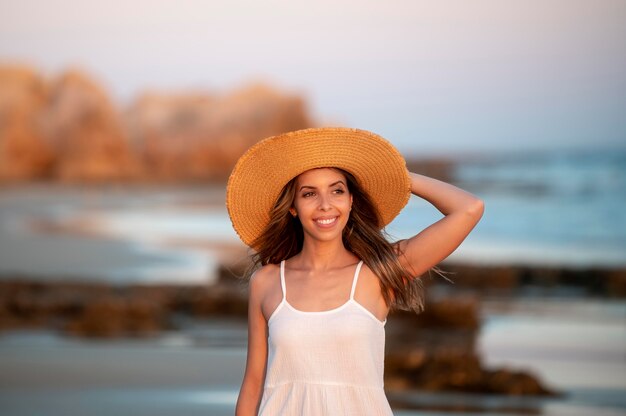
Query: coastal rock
point(86, 133)
point(25, 153)
point(449, 321)
point(458, 312)
point(515, 383)
point(39, 304)
point(111, 317)
point(501, 280)
point(201, 136)
point(69, 130)
point(615, 283)
point(453, 369)
point(512, 280)
point(215, 300)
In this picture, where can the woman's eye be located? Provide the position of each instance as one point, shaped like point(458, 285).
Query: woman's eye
point(307, 194)
point(339, 191)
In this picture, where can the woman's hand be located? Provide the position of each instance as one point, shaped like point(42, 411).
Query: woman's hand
point(461, 211)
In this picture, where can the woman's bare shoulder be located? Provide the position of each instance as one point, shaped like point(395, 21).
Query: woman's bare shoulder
point(264, 277)
point(265, 288)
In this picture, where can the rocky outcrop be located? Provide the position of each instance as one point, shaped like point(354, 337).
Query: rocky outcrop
point(69, 130)
point(114, 317)
point(511, 280)
point(102, 311)
point(25, 153)
point(455, 369)
point(452, 322)
point(201, 136)
point(86, 133)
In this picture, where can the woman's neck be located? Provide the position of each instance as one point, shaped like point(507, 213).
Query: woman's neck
point(321, 256)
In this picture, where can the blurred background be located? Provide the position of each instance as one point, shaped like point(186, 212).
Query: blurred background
point(121, 121)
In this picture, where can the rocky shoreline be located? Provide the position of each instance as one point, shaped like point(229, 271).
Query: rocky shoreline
point(432, 351)
point(515, 280)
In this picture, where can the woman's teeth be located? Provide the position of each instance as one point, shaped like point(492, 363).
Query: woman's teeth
point(327, 221)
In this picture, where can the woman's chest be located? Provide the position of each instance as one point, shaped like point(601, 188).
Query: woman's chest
point(294, 330)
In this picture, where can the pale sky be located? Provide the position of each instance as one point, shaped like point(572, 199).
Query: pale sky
point(434, 77)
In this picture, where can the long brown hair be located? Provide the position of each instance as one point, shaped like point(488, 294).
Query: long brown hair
point(363, 235)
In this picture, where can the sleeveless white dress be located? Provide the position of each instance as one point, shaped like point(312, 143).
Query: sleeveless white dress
point(325, 363)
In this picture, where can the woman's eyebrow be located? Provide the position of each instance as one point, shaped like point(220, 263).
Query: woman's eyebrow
point(313, 187)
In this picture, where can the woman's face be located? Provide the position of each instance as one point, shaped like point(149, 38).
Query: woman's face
point(322, 203)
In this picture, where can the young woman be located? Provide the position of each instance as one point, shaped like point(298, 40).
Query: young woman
point(313, 205)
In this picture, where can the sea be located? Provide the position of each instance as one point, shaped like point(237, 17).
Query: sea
point(560, 208)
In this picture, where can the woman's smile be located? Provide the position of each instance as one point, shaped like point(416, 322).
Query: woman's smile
point(326, 222)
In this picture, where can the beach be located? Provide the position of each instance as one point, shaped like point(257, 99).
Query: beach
point(542, 308)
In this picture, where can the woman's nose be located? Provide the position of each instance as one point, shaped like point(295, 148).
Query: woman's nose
point(324, 203)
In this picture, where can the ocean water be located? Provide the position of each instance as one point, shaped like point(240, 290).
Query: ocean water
point(562, 209)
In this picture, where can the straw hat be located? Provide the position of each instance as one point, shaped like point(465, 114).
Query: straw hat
point(261, 173)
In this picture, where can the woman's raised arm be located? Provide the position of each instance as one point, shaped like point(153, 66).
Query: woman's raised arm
point(461, 211)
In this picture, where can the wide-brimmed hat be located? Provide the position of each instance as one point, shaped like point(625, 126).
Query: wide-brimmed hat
point(261, 173)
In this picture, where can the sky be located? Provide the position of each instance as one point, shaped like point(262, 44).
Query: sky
point(435, 77)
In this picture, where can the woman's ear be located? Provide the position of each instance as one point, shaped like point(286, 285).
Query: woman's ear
point(293, 212)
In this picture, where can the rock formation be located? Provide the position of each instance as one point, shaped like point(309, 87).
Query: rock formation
point(86, 132)
point(24, 151)
point(201, 136)
point(69, 130)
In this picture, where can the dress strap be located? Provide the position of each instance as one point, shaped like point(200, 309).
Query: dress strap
point(355, 279)
point(282, 279)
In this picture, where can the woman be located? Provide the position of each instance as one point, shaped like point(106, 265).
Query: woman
point(313, 204)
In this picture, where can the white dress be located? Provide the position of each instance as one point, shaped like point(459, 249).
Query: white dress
point(325, 363)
